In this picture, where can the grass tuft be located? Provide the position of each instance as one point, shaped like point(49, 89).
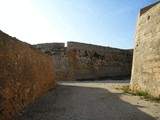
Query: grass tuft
point(126, 89)
point(143, 94)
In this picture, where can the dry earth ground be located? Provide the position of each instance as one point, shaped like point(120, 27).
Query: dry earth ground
point(90, 100)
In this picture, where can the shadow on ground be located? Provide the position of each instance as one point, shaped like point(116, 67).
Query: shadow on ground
point(81, 103)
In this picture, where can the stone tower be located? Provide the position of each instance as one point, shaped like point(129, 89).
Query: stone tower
point(146, 57)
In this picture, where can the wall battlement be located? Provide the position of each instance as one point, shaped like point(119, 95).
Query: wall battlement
point(145, 9)
point(50, 46)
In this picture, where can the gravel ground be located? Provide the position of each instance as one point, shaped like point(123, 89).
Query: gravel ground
point(90, 100)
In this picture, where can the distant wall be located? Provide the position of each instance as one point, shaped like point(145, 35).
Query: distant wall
point(86, 61)
point(46, 47)
point(25, 74)
point(146, 59)
point(96, 62)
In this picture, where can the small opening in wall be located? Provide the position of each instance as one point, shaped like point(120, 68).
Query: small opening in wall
point(148, 17)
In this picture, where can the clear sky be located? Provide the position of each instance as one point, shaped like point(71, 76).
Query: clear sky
point(102, 22)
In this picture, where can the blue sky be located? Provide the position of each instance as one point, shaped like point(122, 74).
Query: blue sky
point(102, 22)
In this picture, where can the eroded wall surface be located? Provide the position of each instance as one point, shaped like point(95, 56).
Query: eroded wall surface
point(79, 61)
point(146, 57)
point(92, 62)
point(25, 74)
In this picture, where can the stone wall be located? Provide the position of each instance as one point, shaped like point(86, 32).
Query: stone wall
point(93, 62)
point(25, 74)
point(81, 61)
point(49, 46)
point(146, 59)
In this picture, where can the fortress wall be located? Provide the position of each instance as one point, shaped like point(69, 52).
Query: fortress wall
point(25, 74)
point(58, 53)
point(80, 61)
point(50, 46)
point(92, 61)
point(146, 59)
point(60, 59)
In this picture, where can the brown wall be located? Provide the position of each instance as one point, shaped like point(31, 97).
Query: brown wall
point(25, 74)
point(81, 61)
point(97, 62)
point(146, 57)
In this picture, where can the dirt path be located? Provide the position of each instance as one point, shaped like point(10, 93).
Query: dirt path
point(90, 101)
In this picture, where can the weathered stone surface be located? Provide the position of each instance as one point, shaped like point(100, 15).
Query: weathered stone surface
point(146, 59)
point(25, 74)
point(85, 61)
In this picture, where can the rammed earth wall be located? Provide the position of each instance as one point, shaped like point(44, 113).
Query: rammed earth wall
point(25, 74)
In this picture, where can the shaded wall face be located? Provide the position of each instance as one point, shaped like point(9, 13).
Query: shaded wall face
point(25, 74)
point(146, 59)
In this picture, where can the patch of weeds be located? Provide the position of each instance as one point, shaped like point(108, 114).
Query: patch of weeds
point(126, 89)
point(143, 94)
point(150, 97)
